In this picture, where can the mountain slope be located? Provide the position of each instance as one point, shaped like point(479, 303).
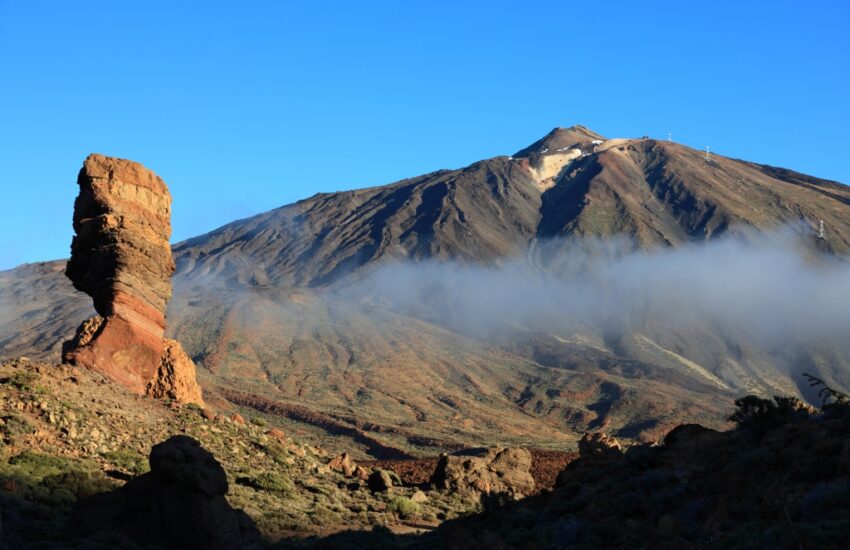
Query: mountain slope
point(275, 306)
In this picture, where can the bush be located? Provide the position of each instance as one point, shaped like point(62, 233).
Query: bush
point(54, 480)
point(23, 381)
point(267, 481)
point(257, 421)
point(130, 461)
point(15, 425)
point(403, 507)
point(757, 410)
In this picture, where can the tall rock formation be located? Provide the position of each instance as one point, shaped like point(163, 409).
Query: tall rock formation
point(121, 257)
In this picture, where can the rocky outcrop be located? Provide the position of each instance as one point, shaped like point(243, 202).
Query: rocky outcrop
point(380, 481)
point(499, 471)
point(343, 463)
point(175, 378)
point(180, 503)
point(121, 257)
point(598, 445)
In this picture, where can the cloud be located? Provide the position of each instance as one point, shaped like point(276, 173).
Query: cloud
point(771, 289)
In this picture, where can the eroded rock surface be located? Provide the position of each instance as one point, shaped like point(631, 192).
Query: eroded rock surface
point(175, 378)
point(500, 471)
point(121, 257)
point(598, 445)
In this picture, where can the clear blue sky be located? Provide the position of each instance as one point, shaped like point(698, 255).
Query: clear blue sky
point(245, 106)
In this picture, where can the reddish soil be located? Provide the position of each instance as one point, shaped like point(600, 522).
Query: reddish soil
point(545, 467)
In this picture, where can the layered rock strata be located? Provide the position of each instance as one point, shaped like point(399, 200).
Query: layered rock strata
point(121, 257)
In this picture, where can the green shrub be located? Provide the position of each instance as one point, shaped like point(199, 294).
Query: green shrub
point(324, 516)
point(53, 480)
point(23, 380)
point(15, 425)
point(131, 461)
point(257, 421)
point(402, 506)
point(267, 481)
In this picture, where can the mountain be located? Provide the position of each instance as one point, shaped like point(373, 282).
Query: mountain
point(287, 311)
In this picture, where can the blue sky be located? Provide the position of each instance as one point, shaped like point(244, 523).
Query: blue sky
point(245, 106)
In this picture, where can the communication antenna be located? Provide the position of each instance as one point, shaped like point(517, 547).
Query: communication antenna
point(707, 153)
point(669, 137)
point(821, 231)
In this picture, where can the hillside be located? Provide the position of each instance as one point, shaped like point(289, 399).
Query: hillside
point(288, 311)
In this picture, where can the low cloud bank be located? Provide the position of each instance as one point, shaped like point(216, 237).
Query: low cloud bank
point(773, 290)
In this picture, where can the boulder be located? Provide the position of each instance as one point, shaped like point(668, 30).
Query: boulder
point(180, 503)
point(379, 481)
point(598, 445)
point(499, 471)
point(121, 257)
point(175, 378)
point(343, 463)
point(693, 438)
point(276, 434)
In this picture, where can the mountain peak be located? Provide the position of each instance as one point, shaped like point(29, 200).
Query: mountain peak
point(560, 138)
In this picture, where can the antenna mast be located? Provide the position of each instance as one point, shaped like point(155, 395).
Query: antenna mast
point(669, 137)
point(707, 153)
point(821, 231)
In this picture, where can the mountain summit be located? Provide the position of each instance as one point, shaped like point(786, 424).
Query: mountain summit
point(559, 140)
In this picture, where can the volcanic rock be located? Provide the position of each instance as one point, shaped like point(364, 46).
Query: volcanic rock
point(175, 378)
point(499, 471)
point(599, 445)
point(380, 481)
point(121, 257)
point(343, 463)
point(179, 503)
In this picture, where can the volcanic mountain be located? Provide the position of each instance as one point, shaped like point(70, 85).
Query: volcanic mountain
point(286, 310)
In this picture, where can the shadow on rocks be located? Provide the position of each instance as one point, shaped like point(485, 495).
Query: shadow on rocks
point(180, 503)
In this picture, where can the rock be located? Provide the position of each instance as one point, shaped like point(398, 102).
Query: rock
point(343, 463)
point(598, 445)
point(500, 471)
point(276, 434)
point(419, 497)
point(237, 419)
point(380, 481)
point(208, 414)
point(693, 438)
point(175, 378)
point(180, 503)
point(121, 257)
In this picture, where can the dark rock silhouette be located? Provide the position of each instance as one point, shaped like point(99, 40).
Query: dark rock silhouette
point(180, 503)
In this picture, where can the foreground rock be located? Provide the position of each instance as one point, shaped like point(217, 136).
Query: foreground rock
point(121, 257)
point(781, 479)
point(175, 378)
point(498, 471)
point(180, 503)
point(598, 445)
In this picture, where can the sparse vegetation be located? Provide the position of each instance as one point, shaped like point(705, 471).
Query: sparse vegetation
point(21, 380)
point(129, 461)
point(828, 395)
point(758, 410)
point(53, 480)
point(403, 506)
point(267, 481)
